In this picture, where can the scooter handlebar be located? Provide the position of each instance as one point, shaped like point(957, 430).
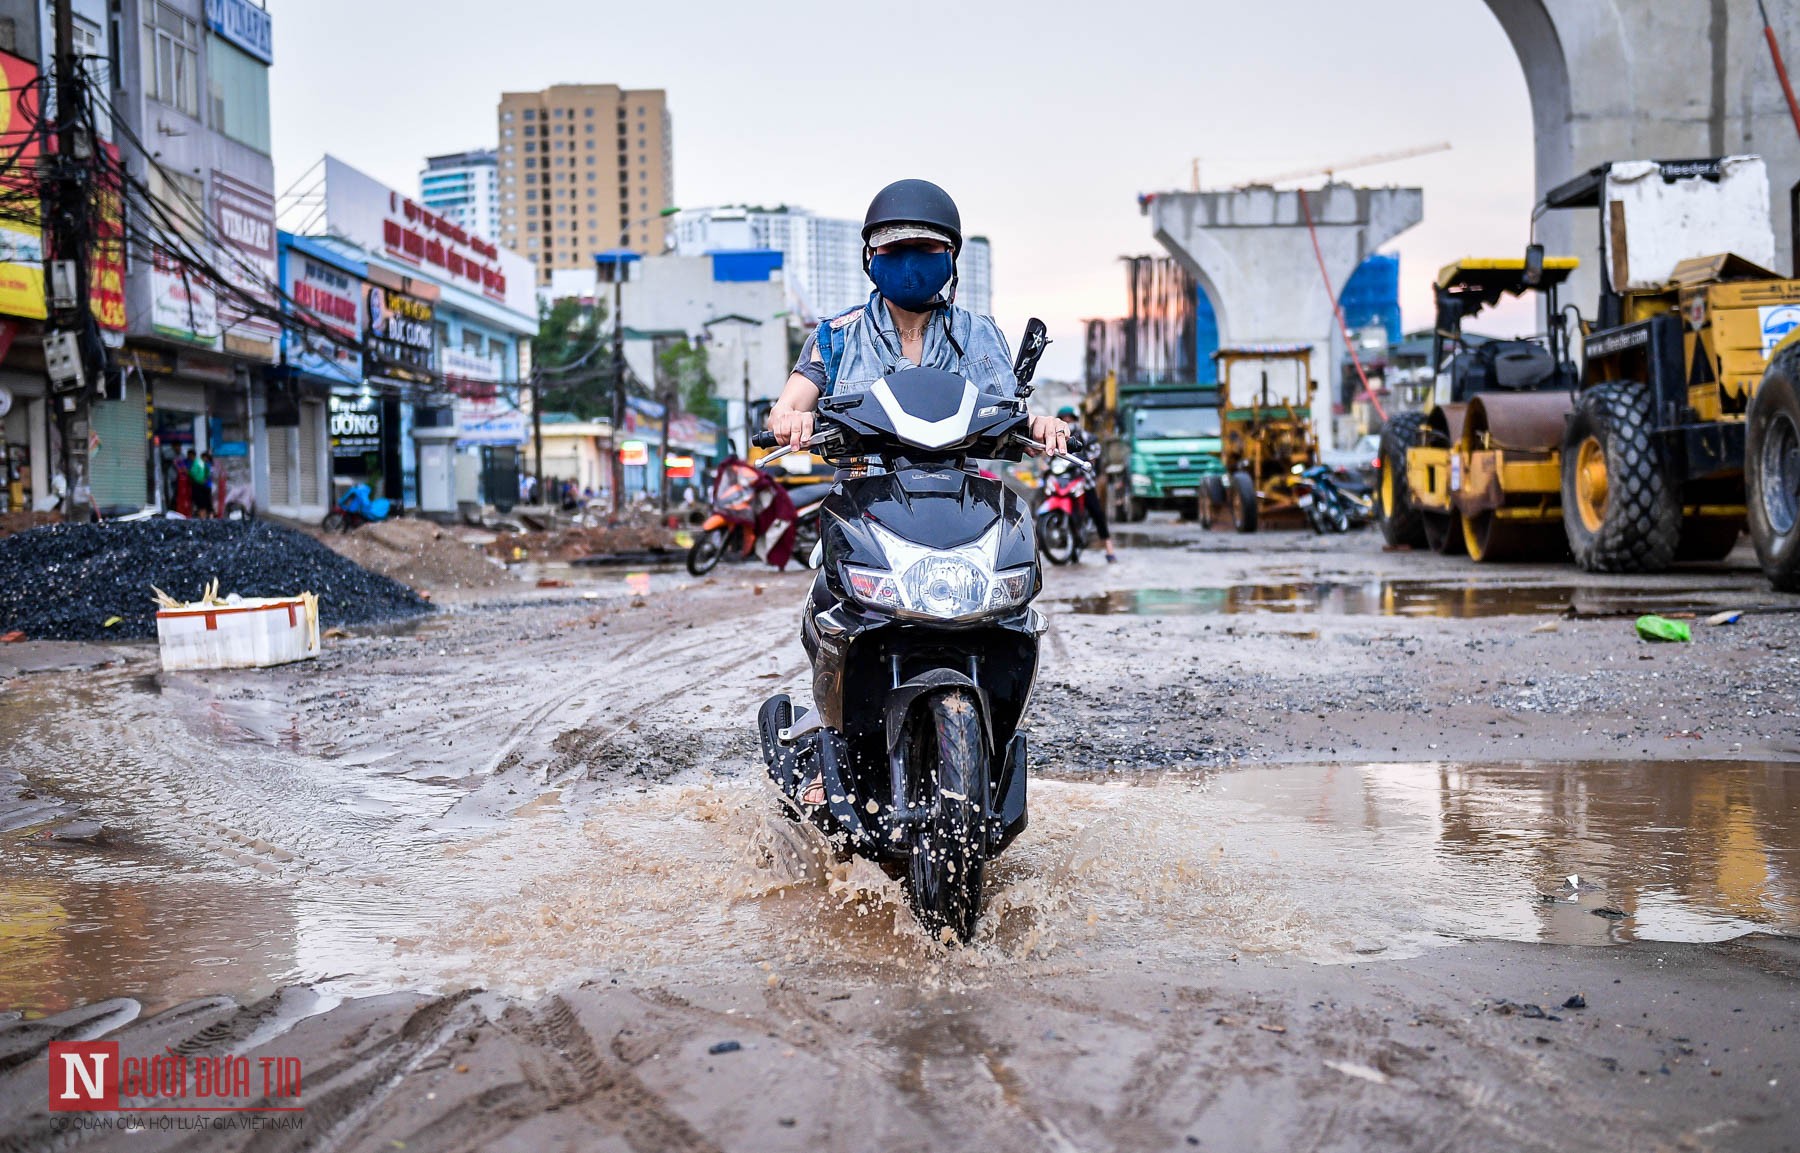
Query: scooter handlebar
point(1083, 465)
point(765, 440)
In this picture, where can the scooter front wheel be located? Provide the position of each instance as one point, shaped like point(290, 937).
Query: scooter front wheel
point(949, 848)
point(333, 522)
point(704, 556)
point(1056, 537)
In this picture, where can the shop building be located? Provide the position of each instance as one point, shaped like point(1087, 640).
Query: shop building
point(193, 79)
point(445, 318)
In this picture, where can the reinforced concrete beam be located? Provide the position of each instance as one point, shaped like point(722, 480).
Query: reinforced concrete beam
point(1637, 80)
point(1250, 249)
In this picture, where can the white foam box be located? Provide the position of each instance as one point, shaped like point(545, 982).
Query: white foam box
point(246, 634)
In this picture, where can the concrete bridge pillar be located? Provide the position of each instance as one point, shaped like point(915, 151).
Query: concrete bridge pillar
point(1249, 248)
point(1632, 80)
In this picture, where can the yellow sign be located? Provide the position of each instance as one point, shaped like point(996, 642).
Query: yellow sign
point(21, 238)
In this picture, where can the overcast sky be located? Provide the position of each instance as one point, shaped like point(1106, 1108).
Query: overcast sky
point(1044, 119)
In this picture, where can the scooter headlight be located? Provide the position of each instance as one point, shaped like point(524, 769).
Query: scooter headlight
point(873, 587)
point(1011, 588)
point(949, 585)
point(945, 586)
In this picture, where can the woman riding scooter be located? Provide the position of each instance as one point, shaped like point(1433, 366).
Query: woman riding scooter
point(912, 235)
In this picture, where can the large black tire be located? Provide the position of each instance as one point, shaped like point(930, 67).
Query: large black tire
point(1400, 522)
point(949, 851)
point(1243, 502)
point(333, 522)
point(1772, 470)
point(1443, 532)
point(1056, 538)
point(1211, 501)
point(704, 555)
point(1621, 509)
point(1707, 538)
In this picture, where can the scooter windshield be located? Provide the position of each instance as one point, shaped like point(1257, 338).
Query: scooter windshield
point(926, 407)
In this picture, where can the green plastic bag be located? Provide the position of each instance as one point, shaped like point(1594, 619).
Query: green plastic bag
point(1655, 628)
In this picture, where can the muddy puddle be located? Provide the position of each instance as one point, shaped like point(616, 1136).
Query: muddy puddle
point(1401, 598)
point(275, 873)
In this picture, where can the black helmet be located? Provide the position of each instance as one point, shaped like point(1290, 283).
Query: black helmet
point(914, 202)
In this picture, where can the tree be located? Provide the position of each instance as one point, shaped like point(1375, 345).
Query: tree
point(685, 372)
point(573, 358)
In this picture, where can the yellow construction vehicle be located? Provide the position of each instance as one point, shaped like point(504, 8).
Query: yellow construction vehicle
point(1640, 453)
point(1429, 459)
point(1265, 405)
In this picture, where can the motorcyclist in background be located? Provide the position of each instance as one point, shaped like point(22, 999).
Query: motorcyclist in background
point(912, 235)
point(1086, 445)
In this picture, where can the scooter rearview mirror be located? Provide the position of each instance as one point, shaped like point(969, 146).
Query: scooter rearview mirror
point(1037, 338)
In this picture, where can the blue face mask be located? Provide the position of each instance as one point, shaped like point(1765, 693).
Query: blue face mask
point(911, 277)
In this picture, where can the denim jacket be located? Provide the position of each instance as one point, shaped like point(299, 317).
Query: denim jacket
point(956, 340)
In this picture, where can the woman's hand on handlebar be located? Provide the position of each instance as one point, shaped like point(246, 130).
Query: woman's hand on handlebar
point(1050, 432)
point(790, 427)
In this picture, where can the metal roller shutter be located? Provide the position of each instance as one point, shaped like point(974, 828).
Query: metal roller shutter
point(117, 471)
point(281, 464)
point(312, 433)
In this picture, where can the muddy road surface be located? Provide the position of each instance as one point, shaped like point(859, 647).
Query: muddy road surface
point(1330, 848)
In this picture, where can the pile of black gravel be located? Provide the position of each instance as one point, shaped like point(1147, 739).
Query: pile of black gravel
point(64, 581)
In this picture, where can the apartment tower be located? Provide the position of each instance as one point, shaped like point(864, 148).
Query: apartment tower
point(579, 163)
point(464, 187)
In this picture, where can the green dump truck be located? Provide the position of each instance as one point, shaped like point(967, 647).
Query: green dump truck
point(1160, 442)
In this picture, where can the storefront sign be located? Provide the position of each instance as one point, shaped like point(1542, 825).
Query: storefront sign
point(400, 335)
point(245, 216)
point(21, 240)
point(334, 300)
point(245, 25)
point(634, 452)
point(483, 416)
point(106, 260)
point(369, 213)
point(355, 427)
point(183, 305)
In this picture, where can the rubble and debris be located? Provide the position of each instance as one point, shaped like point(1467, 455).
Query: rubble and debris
point(63, 581)
point(574, 544)
point(424, 556)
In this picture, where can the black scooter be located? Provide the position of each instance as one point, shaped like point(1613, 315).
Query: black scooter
point(922, 637)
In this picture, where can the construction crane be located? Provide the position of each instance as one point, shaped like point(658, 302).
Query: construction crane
point(1330, 172)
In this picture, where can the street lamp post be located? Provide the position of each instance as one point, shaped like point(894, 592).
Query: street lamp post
point(618, 349)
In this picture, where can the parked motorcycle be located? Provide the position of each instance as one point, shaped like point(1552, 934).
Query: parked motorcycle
point(753, 515)
point(356, 507)
point(1333, 500)
point(1062, 523)
point(922, 639)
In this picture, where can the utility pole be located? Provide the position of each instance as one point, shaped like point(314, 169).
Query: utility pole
point(671, 395)
point(618, 352)
point(67, 210)
point(537, 429)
